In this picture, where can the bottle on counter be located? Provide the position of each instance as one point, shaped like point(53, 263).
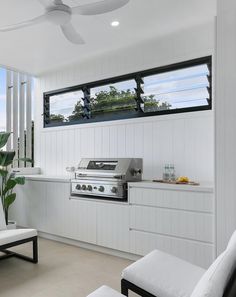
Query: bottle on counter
point(169, 172)
point(166, 173)
point(172, 176)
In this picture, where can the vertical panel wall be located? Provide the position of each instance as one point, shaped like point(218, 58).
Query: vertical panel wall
point(22, 118)
point(9, 106)
point(19, 115)
point(158, 140)
point(185, 139)
point(226, 122)
point(29, 118)
point(15, 115)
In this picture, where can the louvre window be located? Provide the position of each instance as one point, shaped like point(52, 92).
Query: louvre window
point(182, 87)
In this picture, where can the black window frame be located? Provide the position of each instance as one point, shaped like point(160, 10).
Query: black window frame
point(137, 76)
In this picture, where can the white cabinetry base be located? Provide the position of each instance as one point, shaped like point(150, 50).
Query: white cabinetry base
point(89, 246)
point(177, 220)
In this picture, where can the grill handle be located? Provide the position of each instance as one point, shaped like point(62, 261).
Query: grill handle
point(118, 176)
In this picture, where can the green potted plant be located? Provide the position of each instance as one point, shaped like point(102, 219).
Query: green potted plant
point(8, 180)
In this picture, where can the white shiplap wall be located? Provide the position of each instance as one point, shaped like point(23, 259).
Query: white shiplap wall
point(182, 140)
point(185, 139)
point(225, 123)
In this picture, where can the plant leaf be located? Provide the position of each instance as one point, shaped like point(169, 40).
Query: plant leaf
point(4, 138)
point(3, 173)
point(10, 184)
point(6, 158)
point(20, 180)
point(25, 160)
point(9, 200)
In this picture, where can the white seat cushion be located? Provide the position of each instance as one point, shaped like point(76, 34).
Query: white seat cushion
point(164, 275)
point(105, 291)
point(8, 236)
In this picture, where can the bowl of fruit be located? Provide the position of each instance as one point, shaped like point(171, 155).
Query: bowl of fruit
point(185, 180)
point(182, 180)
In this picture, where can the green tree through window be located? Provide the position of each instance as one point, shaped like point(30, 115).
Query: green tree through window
point(57, 118)
point(77, 112)
point(115, 100)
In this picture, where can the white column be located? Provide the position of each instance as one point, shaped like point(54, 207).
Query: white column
point(29, 119)
point(9, 106)
point(22, 118)
point(226, 122)
point(15, 114)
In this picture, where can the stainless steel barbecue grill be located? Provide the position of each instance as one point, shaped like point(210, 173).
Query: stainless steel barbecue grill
point(106, 178)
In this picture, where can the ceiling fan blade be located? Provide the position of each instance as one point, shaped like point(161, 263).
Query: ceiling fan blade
point(28, 23)
point(99, 7)
point(46, 3)
point(71, 34)
point(57, 2)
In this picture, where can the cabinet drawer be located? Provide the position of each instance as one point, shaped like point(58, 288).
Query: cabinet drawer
point(198, 253)
point(113, 226)
point(80, 223)
point(186, 200)
point(183, 224)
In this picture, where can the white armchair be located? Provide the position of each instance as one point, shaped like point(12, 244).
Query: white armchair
point(161, 275)
point(11, 238)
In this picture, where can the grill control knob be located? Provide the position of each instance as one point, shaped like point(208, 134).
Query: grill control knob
point(84, 188)
point(114, 190)
point(78, 187)
point(101, 189)
point(90, 188)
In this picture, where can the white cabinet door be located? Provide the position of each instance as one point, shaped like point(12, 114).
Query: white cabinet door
point(80, 220)
point(70, 218)
point(182, 224)
point(113, 226)
point(19, 211)
point(29, 209)
point(198, 253)
point(36, 213)
point(182, 200)
point(56, 195)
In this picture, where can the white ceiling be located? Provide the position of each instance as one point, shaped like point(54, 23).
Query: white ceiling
point(42, 48)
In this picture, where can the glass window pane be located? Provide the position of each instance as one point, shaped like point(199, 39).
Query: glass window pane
point(183, 88)
point(66, 107)
point(190, 72)
point(113, 98)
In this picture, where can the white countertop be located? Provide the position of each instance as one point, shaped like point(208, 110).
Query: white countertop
point(50, 178)
point(203, 187)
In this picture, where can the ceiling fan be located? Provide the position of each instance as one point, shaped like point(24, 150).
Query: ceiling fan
point(58, 13)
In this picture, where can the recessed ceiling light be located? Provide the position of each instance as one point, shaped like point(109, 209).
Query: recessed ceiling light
point(115, 24)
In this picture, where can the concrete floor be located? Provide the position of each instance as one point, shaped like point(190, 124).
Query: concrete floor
point(62, 271)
